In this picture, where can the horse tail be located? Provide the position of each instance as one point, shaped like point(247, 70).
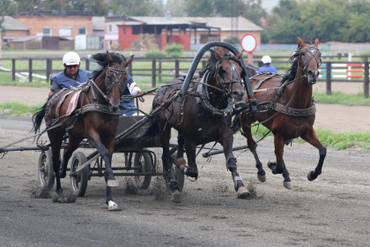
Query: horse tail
point(37, 118)
point(236, 125)
point(151, 131)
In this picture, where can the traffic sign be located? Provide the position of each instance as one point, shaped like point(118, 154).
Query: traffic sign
point(248, 43)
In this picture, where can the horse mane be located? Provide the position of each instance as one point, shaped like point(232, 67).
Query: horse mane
point(291, 73)
point(102, 61)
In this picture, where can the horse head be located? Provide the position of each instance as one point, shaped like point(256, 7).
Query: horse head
point(115, 78)
point(309, 66)
point(228, 73)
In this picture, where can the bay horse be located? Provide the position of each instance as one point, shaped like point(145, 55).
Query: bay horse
point(289, 110)
point(203, 116)
point(95, 117)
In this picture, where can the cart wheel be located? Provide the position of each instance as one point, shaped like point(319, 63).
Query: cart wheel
point(79, 182)
point(46, 172)
point(143, 161)
point(180, 178)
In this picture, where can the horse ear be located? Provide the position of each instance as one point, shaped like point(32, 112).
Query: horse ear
point(109, 57)
point(300, 42)
point(239, 55)
point(128, 61)
point(218, 54)
point(316, 42)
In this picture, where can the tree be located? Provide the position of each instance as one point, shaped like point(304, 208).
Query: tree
point(136, 7)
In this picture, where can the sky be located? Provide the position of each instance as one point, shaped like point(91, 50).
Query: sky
point(269, 4)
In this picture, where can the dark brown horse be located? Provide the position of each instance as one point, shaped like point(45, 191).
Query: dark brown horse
point(203, 116)
point(289, 109)
point(95, 117)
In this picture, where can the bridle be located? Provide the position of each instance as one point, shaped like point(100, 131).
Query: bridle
point(117, 73)
point(311, 50)
point(227, 85)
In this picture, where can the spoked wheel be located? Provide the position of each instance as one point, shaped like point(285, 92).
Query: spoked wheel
point(143, 163)
point(45, 170)
point(79, 181)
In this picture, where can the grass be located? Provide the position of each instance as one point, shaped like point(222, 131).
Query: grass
point(342, 99)
point(16, 108)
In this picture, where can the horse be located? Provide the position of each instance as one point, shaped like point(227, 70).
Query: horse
point(288, 109)
point(203, 116)
point(95, 117)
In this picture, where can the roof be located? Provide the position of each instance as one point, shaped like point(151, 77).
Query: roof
point(219, 22)
point(11, 23)
point(98, 22)
point(24, 39)
point(55, 13)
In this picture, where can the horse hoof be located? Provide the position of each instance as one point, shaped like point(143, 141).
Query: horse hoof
point(309, 177)
point(243, 193)
point(288, 185)
point(176, 196)
point(262, 179)
point(112, 206)
point(112, 183)
point(180, 162)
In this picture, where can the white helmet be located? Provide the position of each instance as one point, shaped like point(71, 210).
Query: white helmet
point(71, 58)
point(266, 59)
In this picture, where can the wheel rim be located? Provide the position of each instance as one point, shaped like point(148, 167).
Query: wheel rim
point(140, 179)
point(43, 171)
point(76, 180)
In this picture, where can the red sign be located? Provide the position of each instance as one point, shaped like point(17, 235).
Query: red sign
point(248, 43)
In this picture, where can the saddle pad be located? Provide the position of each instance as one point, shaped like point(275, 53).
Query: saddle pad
point(72, 105)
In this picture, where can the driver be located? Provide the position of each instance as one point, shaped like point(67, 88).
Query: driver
point(72, 74)
point(267, 67)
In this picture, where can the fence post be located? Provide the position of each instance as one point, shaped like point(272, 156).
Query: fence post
point(87, 61)
point(48, 69)
point(160, 70)
point(177, 68)
point(328, 78)
point(130, 69)
point(153, 73)
point(366, 79)
point(13, 69)
point(30, 70)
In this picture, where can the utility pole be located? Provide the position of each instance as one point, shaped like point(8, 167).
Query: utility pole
point(234, 18)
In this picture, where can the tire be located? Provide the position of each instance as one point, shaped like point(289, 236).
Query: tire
point(144, 163)
point(180, 178)
point(79, 182)
point(46, 173)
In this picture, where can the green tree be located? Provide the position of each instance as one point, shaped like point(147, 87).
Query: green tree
point(136, 7)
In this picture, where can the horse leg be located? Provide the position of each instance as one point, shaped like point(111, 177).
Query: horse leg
point(167, 165)
point(247, 133)
point(192, 169)
point(241, 190)
point(55, 138)
point(279, 167)
point(180, 161)
point(72, 146)
point(311, 137)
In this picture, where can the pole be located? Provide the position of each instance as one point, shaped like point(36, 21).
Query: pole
point(328, 78)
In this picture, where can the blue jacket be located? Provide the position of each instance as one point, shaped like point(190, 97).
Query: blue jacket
point(128, 102)
point(64, 80)
point(266, 68)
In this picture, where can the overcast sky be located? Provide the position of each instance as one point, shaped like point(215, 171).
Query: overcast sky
point(269, 4)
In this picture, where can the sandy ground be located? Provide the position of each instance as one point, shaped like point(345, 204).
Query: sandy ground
point(330, 211)
point(337, 118)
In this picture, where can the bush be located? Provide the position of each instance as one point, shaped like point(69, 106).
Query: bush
point(265, 37)
point(232, 40)
point(174, 50)
point(155, 54)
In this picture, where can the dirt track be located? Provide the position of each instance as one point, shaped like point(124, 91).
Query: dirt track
point(331, 211)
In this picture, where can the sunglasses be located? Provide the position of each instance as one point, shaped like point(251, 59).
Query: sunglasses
point(71, 66)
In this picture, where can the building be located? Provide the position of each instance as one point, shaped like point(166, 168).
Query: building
point(188, 31)
point(65, 24)
point(13, 29)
